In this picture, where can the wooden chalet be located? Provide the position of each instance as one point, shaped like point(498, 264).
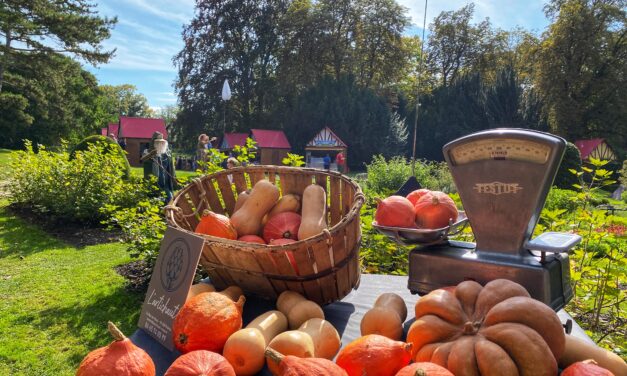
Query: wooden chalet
point(595, 148)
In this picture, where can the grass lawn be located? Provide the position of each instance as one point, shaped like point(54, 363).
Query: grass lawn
point(56, 299)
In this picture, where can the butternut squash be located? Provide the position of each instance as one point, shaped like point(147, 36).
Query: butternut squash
point(288, 299)
point(241, 199)
point(247, 220)
point(292, 342)
point(199, 288)
point(303, 311)
point(245, 349)
point(314, 218)
point(578, 350)
point(383, 321)
point(287, 203)
point(232, 292)
point(325, 337)
point(392, 301)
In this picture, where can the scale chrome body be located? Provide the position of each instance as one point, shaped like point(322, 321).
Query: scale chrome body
point(503, 177)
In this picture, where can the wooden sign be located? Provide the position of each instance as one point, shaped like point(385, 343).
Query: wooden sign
point(171, 279)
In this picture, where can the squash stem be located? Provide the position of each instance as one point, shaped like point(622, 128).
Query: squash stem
point(115, 332)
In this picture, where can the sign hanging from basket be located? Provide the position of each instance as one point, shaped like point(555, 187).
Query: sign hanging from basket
point(171, 279)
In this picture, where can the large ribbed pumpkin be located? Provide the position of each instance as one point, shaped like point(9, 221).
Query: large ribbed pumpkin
point(435, 209)
point(374, 355)
point(200, 362)
point(493, 330)
point(216, 225)
point(206, 321)
point(120, 358)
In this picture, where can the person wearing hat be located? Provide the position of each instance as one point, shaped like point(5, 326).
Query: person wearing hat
point(158, 162)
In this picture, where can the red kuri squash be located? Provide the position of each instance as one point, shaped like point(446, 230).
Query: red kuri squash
point(434, 210)
point(414, 196)
point(206, 321)
point(586, 368)
point(294, 366)
point(120, 358)
point(374, 355)
point(200, 362)
point(216, 225)
point(395, 211)
point(424, 369)
point(252, 239)
point(282, 226)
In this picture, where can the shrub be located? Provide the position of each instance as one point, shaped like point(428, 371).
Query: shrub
point(84, 144)
point(75, 189)
point(623, 174)
point(386, 177)
point(571, 161)
point(560, 199)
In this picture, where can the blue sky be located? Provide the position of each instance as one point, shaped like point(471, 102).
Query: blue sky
point(148, 35)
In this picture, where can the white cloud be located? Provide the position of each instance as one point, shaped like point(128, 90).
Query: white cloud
point(168, 10)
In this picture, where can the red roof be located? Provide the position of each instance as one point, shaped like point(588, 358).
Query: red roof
point(232, 139)
point(270, 139)
point(135, 127)
point(587, 146)
point(111, 128)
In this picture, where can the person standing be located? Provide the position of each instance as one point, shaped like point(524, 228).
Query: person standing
point(340, 160)
point(327, 162)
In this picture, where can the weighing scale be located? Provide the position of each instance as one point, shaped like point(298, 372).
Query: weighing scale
point(503, 177)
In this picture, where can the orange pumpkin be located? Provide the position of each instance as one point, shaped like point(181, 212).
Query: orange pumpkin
point(586, 368)
point(206, 321)
point(395, 211)
point(216, 225)
point(424, 369)
point(252, 239)
point(200, 362)
point(434, 210)
point(294, 366)
point(374, 355)
point(496, 329)
point(120, 358)
point(414, 196)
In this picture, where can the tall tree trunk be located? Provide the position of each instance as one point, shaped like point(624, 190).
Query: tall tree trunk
point(5, 56)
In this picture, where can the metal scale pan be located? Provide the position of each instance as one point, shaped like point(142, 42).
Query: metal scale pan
point(503, 177)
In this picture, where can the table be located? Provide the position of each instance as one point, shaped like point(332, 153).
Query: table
point(345, 315)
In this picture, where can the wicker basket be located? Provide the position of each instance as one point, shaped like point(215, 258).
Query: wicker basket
point(327, 264)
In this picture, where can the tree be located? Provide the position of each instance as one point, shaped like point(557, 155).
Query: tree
point(580, 70)
point(51, 97)
point(122, 100)
point(45, 27)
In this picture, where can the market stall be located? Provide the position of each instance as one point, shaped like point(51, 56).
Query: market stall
point(325, 143)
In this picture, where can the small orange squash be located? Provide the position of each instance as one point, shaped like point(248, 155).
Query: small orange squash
point(424, 369)
point(252, 239)
point(216, 225)
point(120, 358)
point(395, 211)
point(200, 362)
point(434, 210)
point(374, 355)
point(586, 368)
point(210, 312)
point(294, 366)
point(414, 196)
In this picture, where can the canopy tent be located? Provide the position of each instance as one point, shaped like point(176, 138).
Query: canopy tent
point(325, 142)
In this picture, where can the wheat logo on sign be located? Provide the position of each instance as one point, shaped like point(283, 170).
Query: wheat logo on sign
point(175, 265)
point(497, 188)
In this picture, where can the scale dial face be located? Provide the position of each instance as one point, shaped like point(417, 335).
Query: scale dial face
point(501, 149)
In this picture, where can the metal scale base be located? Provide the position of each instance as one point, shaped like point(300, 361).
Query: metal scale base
point(445, 265)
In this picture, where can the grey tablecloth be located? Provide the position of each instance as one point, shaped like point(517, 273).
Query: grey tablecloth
point(345, 315)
